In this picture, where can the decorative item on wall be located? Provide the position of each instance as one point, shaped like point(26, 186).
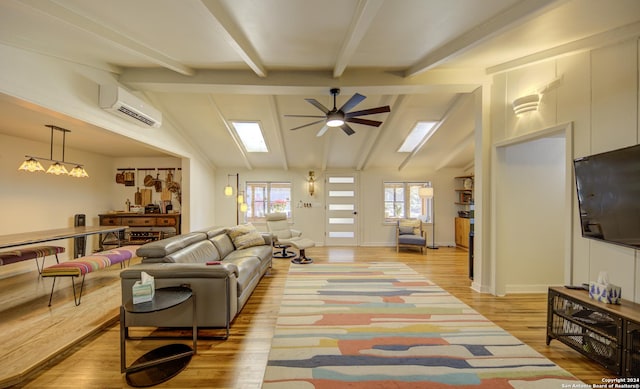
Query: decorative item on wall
point(32, 164)
point(165, 188)
point(173, 185)
point(311, 186)
point(427, 192)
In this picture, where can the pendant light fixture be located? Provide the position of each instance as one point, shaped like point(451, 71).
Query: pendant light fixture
point(427, 192)
point(32, 164)
point(228, 190)
point(241, 206)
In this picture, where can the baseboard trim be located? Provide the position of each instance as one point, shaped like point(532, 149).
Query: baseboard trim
point(523, 288)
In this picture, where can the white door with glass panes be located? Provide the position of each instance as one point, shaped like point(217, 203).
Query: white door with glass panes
point(342, 215)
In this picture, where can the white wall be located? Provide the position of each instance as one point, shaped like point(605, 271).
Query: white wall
point(379, 233)
point(39, 201)
point(72, 90)
point(598, 94)
point(373, 230)
point(308, 220)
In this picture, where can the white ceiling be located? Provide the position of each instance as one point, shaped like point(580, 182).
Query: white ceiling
point(206, 62)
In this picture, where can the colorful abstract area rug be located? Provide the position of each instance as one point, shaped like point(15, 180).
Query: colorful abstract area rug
point(382, 325)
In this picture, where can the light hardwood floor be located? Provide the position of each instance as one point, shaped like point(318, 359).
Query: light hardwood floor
point(239, 362)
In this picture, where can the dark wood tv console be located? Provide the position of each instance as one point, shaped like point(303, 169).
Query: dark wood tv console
point(607, 333)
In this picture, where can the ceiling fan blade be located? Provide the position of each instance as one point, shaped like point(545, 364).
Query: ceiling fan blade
point(318, 105)
point(347, 130)
point(304, 116)
point(307, 125)
point(367, 122)
point(352, 102)
point(322, 130)
point(370, 111)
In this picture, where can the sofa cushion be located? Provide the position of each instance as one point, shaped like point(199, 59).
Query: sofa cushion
point(240, 229)
point(413, 223)
point(199, 252)
point(164, 247)
point(405, 230)
point(412, 239)
point(248, 268)
point(261, 252)
point(215, 231)
point(249, 239)
point(245, 235)
point(224, 244)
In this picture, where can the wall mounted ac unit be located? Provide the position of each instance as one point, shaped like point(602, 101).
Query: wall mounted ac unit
point(121, 102)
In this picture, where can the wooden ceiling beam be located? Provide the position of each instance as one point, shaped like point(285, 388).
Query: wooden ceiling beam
point(360, 23)
point(234, 36)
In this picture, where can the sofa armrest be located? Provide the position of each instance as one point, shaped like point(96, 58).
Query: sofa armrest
point(214, 287)
point(268, 238)
point(180, 270)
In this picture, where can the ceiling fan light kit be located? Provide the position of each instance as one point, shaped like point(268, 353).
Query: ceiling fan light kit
point(334, 119)
point(339, 117)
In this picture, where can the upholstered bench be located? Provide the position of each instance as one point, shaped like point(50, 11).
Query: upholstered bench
point(28, 253)
point(87, 264)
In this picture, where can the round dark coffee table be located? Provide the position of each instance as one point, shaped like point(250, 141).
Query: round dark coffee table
point(162, 363)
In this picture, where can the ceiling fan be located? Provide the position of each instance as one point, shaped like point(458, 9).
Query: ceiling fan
point(339, 117)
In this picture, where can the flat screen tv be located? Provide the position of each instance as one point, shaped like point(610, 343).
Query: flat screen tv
point(608, 186)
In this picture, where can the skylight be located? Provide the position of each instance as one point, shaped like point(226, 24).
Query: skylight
point(250, 135)
point(422, 131)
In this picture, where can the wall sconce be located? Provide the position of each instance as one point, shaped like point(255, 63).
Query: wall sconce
point(32, 164)
point(526, 103)
point(311, 183)
point(531, 102)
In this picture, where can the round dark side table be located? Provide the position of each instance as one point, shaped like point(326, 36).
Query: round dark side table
point(162, 363)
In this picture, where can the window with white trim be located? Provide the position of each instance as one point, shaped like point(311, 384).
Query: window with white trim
point(267, 197)
point(402, 200)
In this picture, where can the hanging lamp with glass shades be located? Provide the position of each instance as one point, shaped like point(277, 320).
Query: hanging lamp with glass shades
point(32, 164)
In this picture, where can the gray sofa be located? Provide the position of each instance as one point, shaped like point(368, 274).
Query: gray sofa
point(221, 290)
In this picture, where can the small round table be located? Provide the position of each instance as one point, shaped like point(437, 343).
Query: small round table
point(162, 363)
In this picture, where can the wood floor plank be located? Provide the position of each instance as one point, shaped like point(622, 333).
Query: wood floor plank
point(240, 361)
